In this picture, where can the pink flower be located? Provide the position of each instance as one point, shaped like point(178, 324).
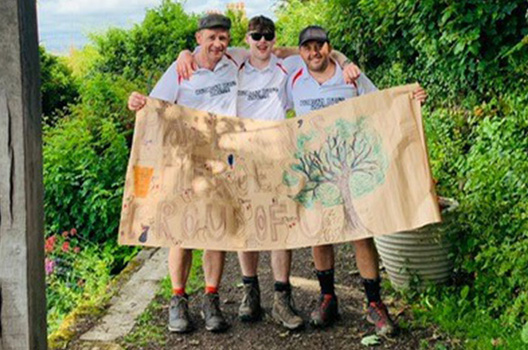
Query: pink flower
point(65, 246)
point(65, 234)
point(76, 250)
point(49, 265)
point(73, 232)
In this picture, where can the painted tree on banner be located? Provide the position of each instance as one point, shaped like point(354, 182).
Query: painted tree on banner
point(349, 164)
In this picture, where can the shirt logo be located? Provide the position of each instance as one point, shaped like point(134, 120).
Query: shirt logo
point(218, 89)
point(262, 94)
point(318, 103)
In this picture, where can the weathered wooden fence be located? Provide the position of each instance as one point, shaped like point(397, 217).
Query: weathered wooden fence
point(22, 286)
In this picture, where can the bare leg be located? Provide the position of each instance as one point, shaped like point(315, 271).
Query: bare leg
point(281, 265)
point(367, 259)
point(180, 262)
point(213, 266)
point(248, 263)
point(323, 257)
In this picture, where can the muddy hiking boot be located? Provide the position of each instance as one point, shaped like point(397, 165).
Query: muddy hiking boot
point(326, 312)
point(250, 310)
point(211, 313)
point(378, 315)
point(283, 311)
point(179, 320)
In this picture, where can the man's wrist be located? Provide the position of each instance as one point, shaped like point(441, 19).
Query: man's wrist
point(346, 62)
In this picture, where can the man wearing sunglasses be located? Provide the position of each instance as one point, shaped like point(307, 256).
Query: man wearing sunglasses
point(319, 83)
point(262, 95)
point(212, 88)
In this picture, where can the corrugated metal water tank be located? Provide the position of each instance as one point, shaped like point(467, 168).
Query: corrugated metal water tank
point(424, 252)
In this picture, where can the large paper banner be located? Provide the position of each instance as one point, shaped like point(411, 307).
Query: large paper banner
point(353, 170)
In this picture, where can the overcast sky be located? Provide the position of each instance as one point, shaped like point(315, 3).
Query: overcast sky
point(65, 23)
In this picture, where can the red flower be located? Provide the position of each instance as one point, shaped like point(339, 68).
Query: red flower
point(65, 246)
point(76, 250)
point(73, 232)
point(50, 244)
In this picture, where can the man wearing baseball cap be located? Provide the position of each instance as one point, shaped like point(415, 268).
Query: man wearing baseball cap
point(212, 88)
point(320, 83)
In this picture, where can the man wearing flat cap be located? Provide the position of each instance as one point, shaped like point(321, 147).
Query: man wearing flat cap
point(212, 88)
point(320, 83)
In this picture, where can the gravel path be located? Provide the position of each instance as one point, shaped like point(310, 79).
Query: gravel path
point(345, 334)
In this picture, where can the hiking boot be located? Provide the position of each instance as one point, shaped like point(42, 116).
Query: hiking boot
point(179, 320)
point(378, 315)
point(250, 309)
point(326, 312)
point(284, 311)
point(214, 319)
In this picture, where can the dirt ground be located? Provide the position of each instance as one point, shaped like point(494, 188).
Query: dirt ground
point(345, 334)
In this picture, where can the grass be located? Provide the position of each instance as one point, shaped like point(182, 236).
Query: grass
point(92, 306)
point(462, 324)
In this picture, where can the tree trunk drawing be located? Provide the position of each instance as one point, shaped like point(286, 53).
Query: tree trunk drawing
point(353, 222)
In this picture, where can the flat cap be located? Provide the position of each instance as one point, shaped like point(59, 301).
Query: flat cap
point(214, 20)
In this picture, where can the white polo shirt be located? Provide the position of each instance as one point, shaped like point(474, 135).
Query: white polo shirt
point(262, 92)
point(208, 90)
point(307, 95)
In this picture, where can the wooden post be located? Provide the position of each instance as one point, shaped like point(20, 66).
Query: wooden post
point(22, 286)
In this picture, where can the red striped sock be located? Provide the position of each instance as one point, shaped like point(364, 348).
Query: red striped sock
point(178, 291)
point(211, 290)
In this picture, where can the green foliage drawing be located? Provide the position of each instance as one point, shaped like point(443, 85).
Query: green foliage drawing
point(350, 163)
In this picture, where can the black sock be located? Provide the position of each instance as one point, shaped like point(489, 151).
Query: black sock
point(282, 286)
point(326, 281)
point(372, 289)
point(250, 280)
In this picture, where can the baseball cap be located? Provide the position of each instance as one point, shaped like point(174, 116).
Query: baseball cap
point(214, 20)
point(315, 33)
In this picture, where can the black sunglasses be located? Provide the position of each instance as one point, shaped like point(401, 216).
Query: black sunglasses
point(258, 36)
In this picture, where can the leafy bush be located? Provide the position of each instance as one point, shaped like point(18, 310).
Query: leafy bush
point(58, 87)
point(84, 167)
point(239, 25)
point(82, 62)
point(76, 270)
point(145, 51)
point(454, 49)
point(85, 157)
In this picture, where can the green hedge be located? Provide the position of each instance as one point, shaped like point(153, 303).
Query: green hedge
point(455, 49)
point(85, 155)
point(58, 87)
